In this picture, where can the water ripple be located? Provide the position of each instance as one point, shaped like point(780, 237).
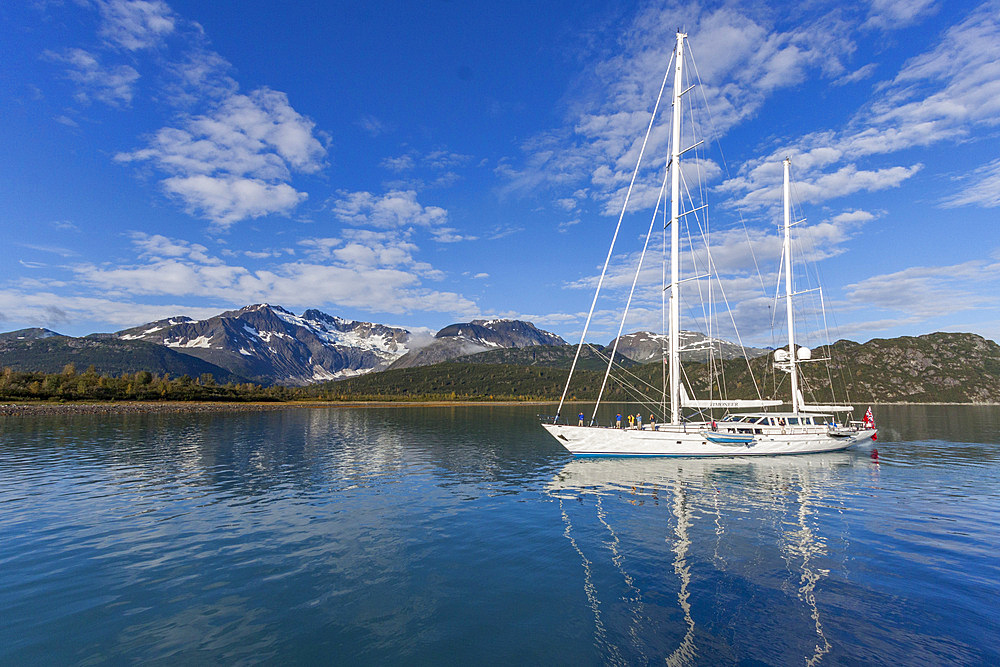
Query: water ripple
point(467, 535)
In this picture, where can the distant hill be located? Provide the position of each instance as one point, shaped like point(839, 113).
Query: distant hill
point(450, 380)
point(939, 367)
point(554, 356)
point(644, 346)
point(27, 334)
point(48, 352)
point(462, 339)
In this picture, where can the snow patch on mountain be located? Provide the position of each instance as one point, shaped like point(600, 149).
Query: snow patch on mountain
point(273, 345)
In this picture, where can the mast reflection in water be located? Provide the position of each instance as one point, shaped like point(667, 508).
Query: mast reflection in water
point(465, 535)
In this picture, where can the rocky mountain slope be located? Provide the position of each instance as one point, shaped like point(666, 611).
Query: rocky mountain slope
point(592, 357)
point(271, 345)
point(48, 352)
point(939, 367)
point(467, 338)
point(644, 347)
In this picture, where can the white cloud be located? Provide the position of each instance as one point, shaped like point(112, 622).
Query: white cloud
point(157, 246)
point(50, 309)
point(565, 226)
point(233, 163)
point(226, 200)
point(941, 95)
point(859, 74)
point(983, 188)
point(601, 141)
point(396, 209)
point(368, 271)
point(894, 14)
point(765, 189)
point(927, 292)
point(373, 125)
point(135, 24)
point(199, 76)
point(444, 159)
point(114, 86)
point(229, 155)
point(401, 163)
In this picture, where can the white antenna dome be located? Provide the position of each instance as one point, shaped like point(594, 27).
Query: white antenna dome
point(781, 355)
point(803, 354)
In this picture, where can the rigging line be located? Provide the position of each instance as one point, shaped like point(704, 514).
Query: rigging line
point(638, 396)
point(814, 265)
point(844, 364)
point(722, 290)
point(777, 289)
point(621, 216)
point(635, 280)
point(829, 353)
point(623, 371)
point(716, 134)
point(739, 339)
point(712, 266)
point(706, 314)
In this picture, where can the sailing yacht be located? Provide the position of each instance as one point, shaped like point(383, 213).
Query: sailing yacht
point(755, 432)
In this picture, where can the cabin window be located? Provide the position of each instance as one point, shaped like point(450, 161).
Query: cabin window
point(793, 421)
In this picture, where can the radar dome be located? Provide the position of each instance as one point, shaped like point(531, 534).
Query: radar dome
point(781, 355)
point(804, 353)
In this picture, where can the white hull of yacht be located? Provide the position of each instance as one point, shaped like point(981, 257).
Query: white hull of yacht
point(693, 439)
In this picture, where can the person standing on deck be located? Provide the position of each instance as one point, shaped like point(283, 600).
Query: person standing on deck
point(618, 421)
point(581, 419)
point(638, 420)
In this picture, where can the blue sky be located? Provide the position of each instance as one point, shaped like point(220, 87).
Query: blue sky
point(419, 164)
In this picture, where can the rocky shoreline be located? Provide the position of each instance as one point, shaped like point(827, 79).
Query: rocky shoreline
point(30, 409)
point(121, 408)
point(167, 407)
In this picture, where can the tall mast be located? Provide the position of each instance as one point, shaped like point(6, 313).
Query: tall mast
point(675, 186)
point(792, 357)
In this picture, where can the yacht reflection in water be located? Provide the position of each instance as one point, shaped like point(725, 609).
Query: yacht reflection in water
point(745, 546)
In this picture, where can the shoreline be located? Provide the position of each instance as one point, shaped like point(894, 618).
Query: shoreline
point(175, 407)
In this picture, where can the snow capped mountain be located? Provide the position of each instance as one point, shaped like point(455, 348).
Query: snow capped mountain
point(464, 338)
point(644, 346)
point(274, 346)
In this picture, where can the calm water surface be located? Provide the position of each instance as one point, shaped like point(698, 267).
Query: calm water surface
point(468, 536)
